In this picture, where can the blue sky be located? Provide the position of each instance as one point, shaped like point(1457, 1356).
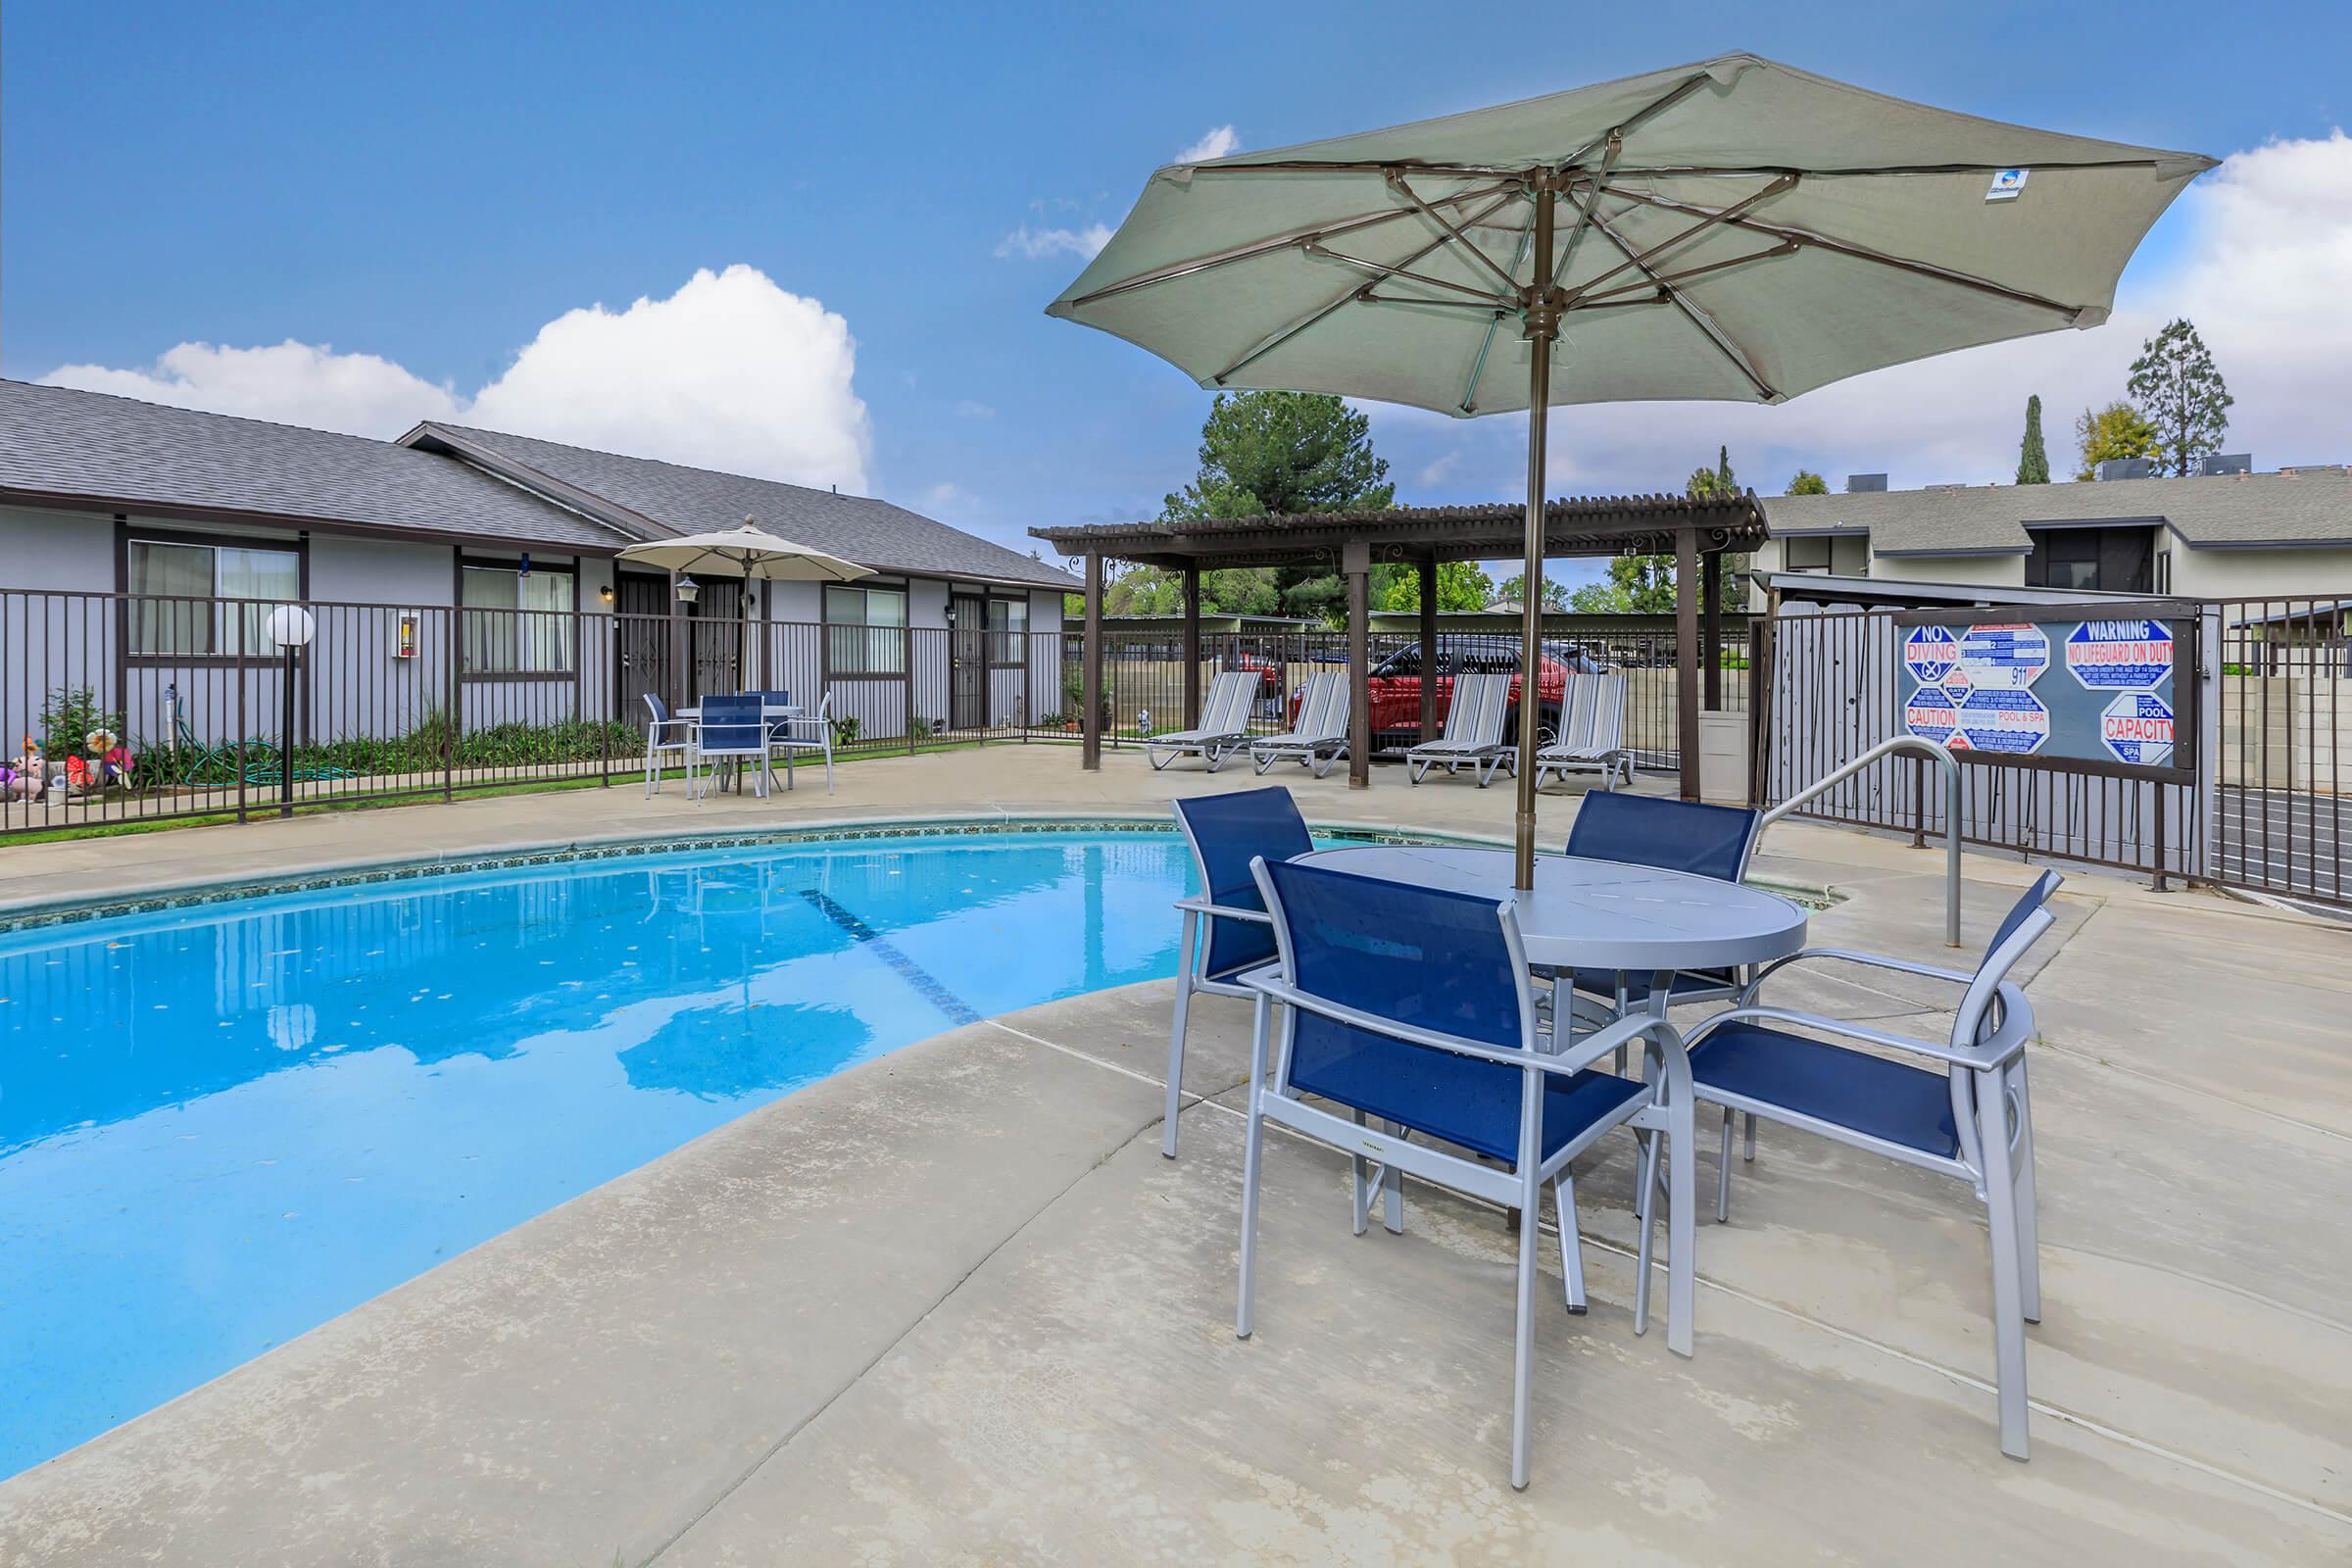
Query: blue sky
point(435, 184)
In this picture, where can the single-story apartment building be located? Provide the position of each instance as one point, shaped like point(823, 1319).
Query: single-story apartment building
point(468, 571)
point(2215, 536)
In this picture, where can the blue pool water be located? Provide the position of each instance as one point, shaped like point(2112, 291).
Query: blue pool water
point(222, 1126)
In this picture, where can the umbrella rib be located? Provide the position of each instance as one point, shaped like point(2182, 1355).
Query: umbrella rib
point(1397, 182)
point(1486, 343)
point(1272, 243)
point(1385, 271)
point(1607, 296)
point(1864, 171)
point(1804, 237)
point(1283, 335)
point(1706, 323)
point(1614, 136)
point(1726, 214)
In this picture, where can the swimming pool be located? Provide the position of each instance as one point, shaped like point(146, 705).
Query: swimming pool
point(222, 1126)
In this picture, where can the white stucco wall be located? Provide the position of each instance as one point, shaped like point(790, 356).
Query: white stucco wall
point(2248, 574)
point(55, 550)
point(1989, 572)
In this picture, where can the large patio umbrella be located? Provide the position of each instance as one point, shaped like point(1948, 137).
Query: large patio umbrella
point(750, 553)
point(1734, 230)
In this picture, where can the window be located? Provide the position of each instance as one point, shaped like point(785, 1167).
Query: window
point(1009, 622)
point(181, 576)
point(2112, 560)
point(517, 623)
point(866, 630)
point(1806, 554)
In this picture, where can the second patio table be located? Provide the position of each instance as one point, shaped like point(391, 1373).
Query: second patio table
point(1600, 914)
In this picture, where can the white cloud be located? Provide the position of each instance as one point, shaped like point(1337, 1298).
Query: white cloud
point(1036, 244)
point(1218, 142)
point(730, 371)
point(947, 493)
point(975, 409)
point(2264, 251)
point(290, 383)
point(1440, 470)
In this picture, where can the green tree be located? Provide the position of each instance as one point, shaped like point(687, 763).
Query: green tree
point(1514, 591)
point(1278, 453)
point(1808, 483)
point(1461, 585)
point(2118, 430)
point(2032, 459)
point(2175, 386)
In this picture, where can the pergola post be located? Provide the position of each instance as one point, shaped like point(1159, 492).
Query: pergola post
point(1685, 656)
point(1356, 561)
point(1429, 649)
point(1192, 646)
point(1710, 640)
point(1090, 686)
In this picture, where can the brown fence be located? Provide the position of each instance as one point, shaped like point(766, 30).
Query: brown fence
point(198, 712)
point(2273, 753)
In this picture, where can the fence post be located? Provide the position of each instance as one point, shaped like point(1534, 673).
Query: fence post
point(604, 725)
point(451, 698)
point(906, 642)
point(1919, 803)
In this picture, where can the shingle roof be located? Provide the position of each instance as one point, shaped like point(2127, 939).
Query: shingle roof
point(73, 445)
point(874, 533)
point(2309, 506)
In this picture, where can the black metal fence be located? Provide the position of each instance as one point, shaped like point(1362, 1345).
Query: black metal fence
point(2266, 811)
point(122, 707)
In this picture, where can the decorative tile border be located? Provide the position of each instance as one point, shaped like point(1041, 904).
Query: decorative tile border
point(39, 916)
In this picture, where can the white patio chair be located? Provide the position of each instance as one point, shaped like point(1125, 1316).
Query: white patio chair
point(1592, 738)
point(1973, 1119)
point(1224, 726)
point(664, 734)
point(1474, 718)
point(810, 732)
point(1320, 735)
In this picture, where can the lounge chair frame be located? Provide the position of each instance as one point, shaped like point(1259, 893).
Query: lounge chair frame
point(1478, 704)
point(1592, 738)
point(1224, 726)
point(1319, 739)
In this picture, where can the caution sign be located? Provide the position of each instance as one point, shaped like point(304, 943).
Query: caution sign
point(2000, 657)
point(1929, 652)
point(2137, 727)
point(1932, 715)
point(1999, 719)
point(2120, 655)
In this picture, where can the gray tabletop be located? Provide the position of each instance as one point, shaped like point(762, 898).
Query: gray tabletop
point(767, 710)
point(1598, 915)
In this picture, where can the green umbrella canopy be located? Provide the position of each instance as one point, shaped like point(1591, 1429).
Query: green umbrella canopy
point(749, 550)
point(1733, 230)
point(1730, 230)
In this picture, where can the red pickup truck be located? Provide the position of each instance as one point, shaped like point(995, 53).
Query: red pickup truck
point(1394, 684)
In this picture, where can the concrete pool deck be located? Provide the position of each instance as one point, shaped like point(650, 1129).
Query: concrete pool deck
point(954, 1305)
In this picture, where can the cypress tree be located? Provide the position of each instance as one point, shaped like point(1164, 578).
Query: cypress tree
point(2032, 459)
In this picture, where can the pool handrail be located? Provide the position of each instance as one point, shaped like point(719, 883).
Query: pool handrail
point(1951, 811)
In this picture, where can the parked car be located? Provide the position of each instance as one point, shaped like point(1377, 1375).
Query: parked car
point(1393, 682)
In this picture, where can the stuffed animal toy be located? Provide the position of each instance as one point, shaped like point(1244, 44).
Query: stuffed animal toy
point(108, 759)
point(29, 775)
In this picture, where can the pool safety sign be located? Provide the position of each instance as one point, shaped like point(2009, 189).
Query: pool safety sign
point(1999, 657)
point(2122, 656)
point(1996, 718)
point(2137, 727)
point(1929, 652)
point(1995, 688)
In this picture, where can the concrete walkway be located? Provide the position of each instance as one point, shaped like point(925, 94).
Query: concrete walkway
point(953, 1306)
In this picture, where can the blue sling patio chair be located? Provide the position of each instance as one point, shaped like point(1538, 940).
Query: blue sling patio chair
point(1970, 1116)
point(1225, 832)
point(730, 730)
point(1413, 1005)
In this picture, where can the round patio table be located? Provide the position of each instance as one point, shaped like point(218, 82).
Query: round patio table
point(1599, 915)
point(770, 714)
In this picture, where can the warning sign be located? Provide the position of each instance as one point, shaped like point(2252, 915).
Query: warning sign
point(1929, 652)
point(2000, 657)
point(1996, 718)
point(1932, 714)
point(2120, 655)
point(2137, 727)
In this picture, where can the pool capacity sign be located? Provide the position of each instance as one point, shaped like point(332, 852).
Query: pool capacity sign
point(1991, 687)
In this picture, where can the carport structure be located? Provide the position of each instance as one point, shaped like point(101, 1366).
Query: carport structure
point(1692, 529)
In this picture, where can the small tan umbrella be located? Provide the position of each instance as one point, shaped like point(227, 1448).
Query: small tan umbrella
point(1734, 229)
point(750, 553)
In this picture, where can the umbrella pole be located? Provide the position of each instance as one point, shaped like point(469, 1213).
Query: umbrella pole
point(1543, 327)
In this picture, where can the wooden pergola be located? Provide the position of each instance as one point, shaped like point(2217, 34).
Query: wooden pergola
point(1350, 543)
